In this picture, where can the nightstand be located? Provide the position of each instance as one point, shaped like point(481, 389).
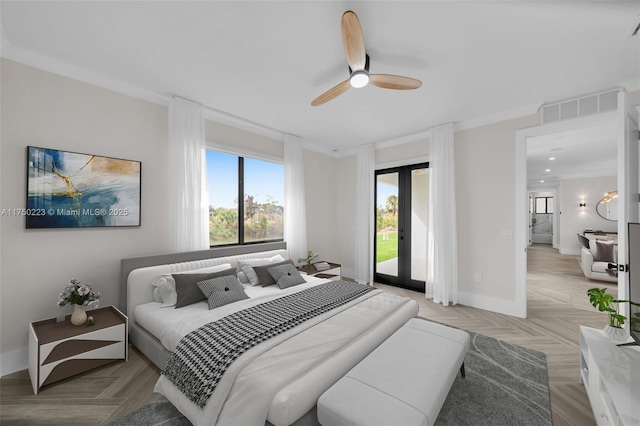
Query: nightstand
point(58, 350)
point(334, 273)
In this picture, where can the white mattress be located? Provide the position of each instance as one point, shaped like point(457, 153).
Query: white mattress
point(155, 317)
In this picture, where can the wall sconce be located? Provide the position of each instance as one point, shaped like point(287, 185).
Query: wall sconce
point(583, 204)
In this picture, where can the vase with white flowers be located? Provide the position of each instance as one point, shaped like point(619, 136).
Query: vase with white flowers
point(79, 295)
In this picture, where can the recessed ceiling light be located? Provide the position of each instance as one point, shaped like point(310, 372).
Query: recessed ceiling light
point(541, 181)
point(552, 158)
point(547, 170)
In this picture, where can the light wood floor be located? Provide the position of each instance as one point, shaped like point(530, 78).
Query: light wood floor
point(556, 307)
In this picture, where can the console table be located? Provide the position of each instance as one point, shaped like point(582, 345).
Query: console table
point(611, 376)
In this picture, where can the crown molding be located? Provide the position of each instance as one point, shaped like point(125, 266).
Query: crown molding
point(242, 124)
point(631, 85)
point(497, 118)
point(64, 69)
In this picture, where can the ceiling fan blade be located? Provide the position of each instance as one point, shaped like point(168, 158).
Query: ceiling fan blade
point(397, 82)
point(353, 41)
point(334, 92)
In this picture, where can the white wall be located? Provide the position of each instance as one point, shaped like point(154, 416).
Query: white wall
point(243, 142)
point(46, 110)
point(485, 197)
point(573, 218)
point(344, 213)
point(321, 204)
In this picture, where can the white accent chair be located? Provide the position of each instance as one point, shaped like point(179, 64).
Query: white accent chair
point(597, 269)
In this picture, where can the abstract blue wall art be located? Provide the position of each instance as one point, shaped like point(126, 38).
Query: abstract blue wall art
point(72, 190)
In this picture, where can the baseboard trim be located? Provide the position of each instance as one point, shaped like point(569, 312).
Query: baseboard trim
point(501, 306)
point(13, 361)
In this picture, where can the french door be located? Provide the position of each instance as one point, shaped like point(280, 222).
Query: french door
point(400, 245)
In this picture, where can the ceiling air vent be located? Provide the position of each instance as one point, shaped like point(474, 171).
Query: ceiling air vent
point(579, 107)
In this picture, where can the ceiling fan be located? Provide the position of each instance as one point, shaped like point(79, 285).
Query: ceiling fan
point(358, 61)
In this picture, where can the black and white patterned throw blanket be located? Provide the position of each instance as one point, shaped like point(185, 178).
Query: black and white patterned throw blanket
point(202, 356)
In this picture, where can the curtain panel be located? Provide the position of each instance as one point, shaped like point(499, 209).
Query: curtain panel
point(295, 212)
point(188, 195)
point(364, 229)
point(442, 245)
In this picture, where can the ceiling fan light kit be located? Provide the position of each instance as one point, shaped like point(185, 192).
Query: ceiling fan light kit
point(358, 60)
point(359, 79)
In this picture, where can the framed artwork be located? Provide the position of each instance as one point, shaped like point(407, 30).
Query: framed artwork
point(73, 190)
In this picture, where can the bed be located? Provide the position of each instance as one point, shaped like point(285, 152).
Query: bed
point(279, 381)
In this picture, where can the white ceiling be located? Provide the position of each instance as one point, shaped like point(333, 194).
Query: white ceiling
point(266, 61)
point(581, 153)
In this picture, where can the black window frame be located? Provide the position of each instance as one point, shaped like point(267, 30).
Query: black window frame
point(241, 241)
point(546, 205)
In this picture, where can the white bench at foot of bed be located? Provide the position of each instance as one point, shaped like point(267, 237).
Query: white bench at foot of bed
point(404, 381)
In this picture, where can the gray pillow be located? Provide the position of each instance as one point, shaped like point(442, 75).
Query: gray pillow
point(187, 290)
point(604, 251)
point(264, 277)
point(286, 276)
point(252, 278)
point(222, 291)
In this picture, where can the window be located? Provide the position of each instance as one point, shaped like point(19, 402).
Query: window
point(260, 184)
point(544, 205)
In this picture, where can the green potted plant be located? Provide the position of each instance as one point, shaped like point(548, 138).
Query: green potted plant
point(604, 302)
point(310, 256)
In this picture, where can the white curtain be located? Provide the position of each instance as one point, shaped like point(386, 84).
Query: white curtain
point(442, 246)
point(364, 229)
point(188, 195)
point(295, 213)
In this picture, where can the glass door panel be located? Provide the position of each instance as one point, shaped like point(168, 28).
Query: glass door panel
point(387, 196)
point(419, 210)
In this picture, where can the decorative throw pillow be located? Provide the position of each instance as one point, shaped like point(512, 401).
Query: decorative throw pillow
point(187, 290)
point(264, 277)
point(604, 251)
point(252, 278)
point(286, 276)
point(222, 291)
point(255, 262)
point(164, 286)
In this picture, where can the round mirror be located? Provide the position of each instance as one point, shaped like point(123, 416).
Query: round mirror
point(607, 208)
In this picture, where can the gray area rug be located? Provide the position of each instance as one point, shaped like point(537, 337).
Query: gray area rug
point(505, 385)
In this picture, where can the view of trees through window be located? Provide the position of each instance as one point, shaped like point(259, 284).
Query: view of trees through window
point(387, 216)
point(260, 184)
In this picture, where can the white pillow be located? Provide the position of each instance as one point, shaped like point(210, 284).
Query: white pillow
point(242, 274)
point(165, 285)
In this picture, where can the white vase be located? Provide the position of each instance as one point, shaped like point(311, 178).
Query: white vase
point(616, 334)
point(78, 316)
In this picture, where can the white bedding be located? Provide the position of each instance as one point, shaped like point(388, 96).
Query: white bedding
point(158, 319)
point(282, 378)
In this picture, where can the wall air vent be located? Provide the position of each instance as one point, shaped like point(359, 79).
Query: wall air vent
point(579, 107)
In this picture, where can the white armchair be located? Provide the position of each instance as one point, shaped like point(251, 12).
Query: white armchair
point(597, 269)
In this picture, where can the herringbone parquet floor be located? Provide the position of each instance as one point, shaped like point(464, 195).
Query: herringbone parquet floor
point(556, 308)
